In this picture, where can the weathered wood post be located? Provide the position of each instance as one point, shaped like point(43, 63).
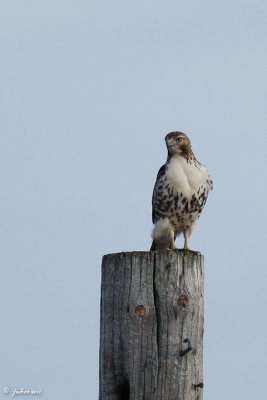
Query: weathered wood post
point(151, 333)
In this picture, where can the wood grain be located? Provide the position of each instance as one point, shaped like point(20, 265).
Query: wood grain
point(150, 303)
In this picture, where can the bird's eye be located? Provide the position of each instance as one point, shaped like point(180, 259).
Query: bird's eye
point(179, 139)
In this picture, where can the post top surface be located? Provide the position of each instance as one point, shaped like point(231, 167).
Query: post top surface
point(152, 254)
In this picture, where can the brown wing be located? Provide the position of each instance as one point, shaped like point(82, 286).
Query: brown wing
point(160, 174)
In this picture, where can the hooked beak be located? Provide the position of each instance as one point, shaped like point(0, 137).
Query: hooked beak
point(170, 143)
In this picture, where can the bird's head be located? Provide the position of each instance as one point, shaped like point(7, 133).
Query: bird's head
point(177, 143)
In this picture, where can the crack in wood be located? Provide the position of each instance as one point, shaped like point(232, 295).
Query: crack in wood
point(146, 312)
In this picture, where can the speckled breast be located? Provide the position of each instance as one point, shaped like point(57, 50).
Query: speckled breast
point(183, 211)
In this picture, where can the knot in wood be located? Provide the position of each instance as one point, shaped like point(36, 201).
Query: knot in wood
point(182, 300)
point(140, 310)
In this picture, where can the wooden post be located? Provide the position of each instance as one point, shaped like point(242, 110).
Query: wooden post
point(151, 333)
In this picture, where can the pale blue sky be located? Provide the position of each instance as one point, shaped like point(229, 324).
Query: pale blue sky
point(88, 90)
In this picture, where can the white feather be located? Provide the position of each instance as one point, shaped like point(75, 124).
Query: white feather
point(187, 178)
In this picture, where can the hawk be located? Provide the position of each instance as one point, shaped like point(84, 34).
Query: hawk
point(179, 194)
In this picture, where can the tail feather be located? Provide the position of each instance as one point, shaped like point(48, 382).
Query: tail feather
point(153, 246)
point(163, 236)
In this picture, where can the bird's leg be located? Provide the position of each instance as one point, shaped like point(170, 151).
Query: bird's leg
point(172, 241)
point(186, 236)
point(172, 246)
